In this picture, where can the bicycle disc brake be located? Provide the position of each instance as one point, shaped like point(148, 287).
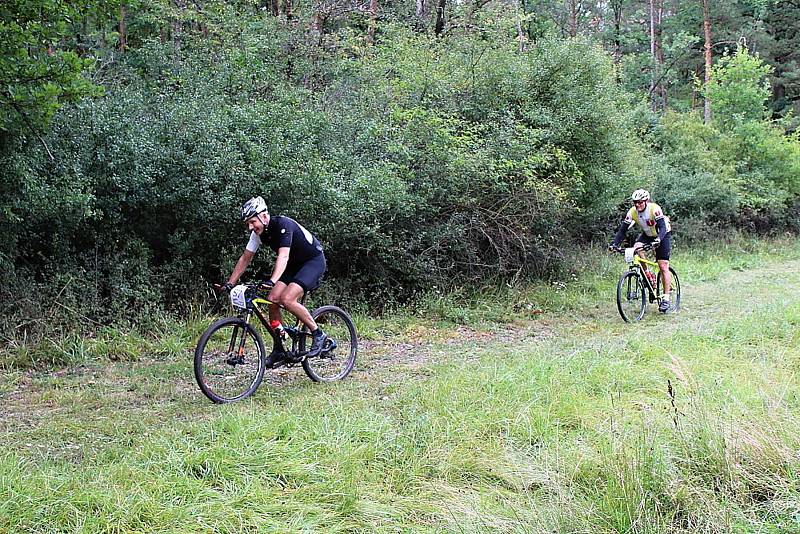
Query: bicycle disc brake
point(235, 359)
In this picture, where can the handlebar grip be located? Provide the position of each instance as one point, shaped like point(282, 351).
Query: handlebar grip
point(219, 288)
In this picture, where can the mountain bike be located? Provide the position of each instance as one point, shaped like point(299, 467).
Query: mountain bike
point(635, 289)
point(230, 358)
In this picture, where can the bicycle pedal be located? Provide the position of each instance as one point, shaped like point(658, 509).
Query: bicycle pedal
point(299, 358)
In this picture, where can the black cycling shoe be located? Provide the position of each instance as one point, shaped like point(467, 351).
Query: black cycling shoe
point(318, 342)
point(275, 359)
point(664, 306)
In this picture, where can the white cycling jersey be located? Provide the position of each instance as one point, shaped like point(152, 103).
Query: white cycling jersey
point(647, 218)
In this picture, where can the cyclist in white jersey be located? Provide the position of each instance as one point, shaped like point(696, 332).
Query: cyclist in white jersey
point(656, 230)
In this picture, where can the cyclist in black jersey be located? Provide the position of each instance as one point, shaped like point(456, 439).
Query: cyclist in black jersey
point(298, 268)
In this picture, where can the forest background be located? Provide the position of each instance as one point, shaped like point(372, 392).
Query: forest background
point(428, 145)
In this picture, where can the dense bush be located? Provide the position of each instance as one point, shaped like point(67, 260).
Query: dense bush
point(739, 171)
point(470, 163)
point(417, 162)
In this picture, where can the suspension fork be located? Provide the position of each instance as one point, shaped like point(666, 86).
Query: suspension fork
point(236, 328)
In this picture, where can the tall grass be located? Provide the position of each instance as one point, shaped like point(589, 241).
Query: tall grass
point(575, 422)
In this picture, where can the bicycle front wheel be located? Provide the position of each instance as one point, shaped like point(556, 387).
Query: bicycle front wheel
point(338, 355)
point(229, 360)
point(631, 297)
point(674, 289)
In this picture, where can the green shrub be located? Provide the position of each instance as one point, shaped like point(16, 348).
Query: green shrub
point(746, 176)
point(417, 162)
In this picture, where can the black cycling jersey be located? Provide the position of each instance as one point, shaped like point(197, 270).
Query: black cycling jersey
point(286, 232)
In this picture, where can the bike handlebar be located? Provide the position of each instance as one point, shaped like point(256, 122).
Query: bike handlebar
point(259, 286)
point(621, 250)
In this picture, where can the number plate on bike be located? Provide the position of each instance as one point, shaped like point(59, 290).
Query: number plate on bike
point(629, 254)
point(238, 298)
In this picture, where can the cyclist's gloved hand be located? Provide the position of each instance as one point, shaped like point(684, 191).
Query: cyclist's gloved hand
point(267, 284)
point(656, 242)
point(227, 286)
point(612, 247)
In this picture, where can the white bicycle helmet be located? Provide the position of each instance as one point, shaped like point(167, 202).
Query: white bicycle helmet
point(253, 207)
point(640, 194)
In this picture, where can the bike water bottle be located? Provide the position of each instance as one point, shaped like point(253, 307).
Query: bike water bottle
point(279, 329)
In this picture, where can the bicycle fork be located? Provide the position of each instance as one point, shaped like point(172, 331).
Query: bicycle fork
point(237, 358)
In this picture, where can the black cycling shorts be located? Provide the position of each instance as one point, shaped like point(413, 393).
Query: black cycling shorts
point(663, 249)
point(307, 275)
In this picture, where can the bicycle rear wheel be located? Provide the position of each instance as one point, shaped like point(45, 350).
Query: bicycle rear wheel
point(229, 360)
point(674, 289)
point(339, 353)
point(631, 297)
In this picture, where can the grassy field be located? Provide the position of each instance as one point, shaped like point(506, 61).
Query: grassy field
point(525, 410)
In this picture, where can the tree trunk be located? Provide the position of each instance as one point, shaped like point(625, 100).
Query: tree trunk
point(653, 74)
point(422, 9)
point(373, 16)
point(660, 87)
point(439, 27)
point(572, 6)
point(778, 93)
point(658, 94)
point(521, 37)
point(617, 9)
point(123, 36)
point(177, 26)
point(707, 77)
point(287, 9)
point(317, 25)
point(274, 7)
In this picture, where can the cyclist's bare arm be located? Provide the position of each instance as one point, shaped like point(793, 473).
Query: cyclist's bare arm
point(280, 264)
point(241, 266)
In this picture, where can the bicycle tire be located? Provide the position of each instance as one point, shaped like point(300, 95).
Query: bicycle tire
point(675, 290)
point(335, 364)
point(631, 297)
point(226, 375)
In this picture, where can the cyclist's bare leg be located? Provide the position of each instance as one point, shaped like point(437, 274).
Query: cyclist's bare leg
point(290, 299)
point(275, 297)
point(664, 266)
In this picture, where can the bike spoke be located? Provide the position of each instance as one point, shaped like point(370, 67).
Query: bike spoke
point(339, 352)
point(631, 296)
point(674, 290)
point(230, 363)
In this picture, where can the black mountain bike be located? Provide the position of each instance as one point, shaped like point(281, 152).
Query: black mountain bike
point(230, 358)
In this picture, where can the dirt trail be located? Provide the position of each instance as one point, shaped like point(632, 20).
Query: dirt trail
point(32, 397)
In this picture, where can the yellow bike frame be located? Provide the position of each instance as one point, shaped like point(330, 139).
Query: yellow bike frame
point(264, 319)
point(642, 264)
